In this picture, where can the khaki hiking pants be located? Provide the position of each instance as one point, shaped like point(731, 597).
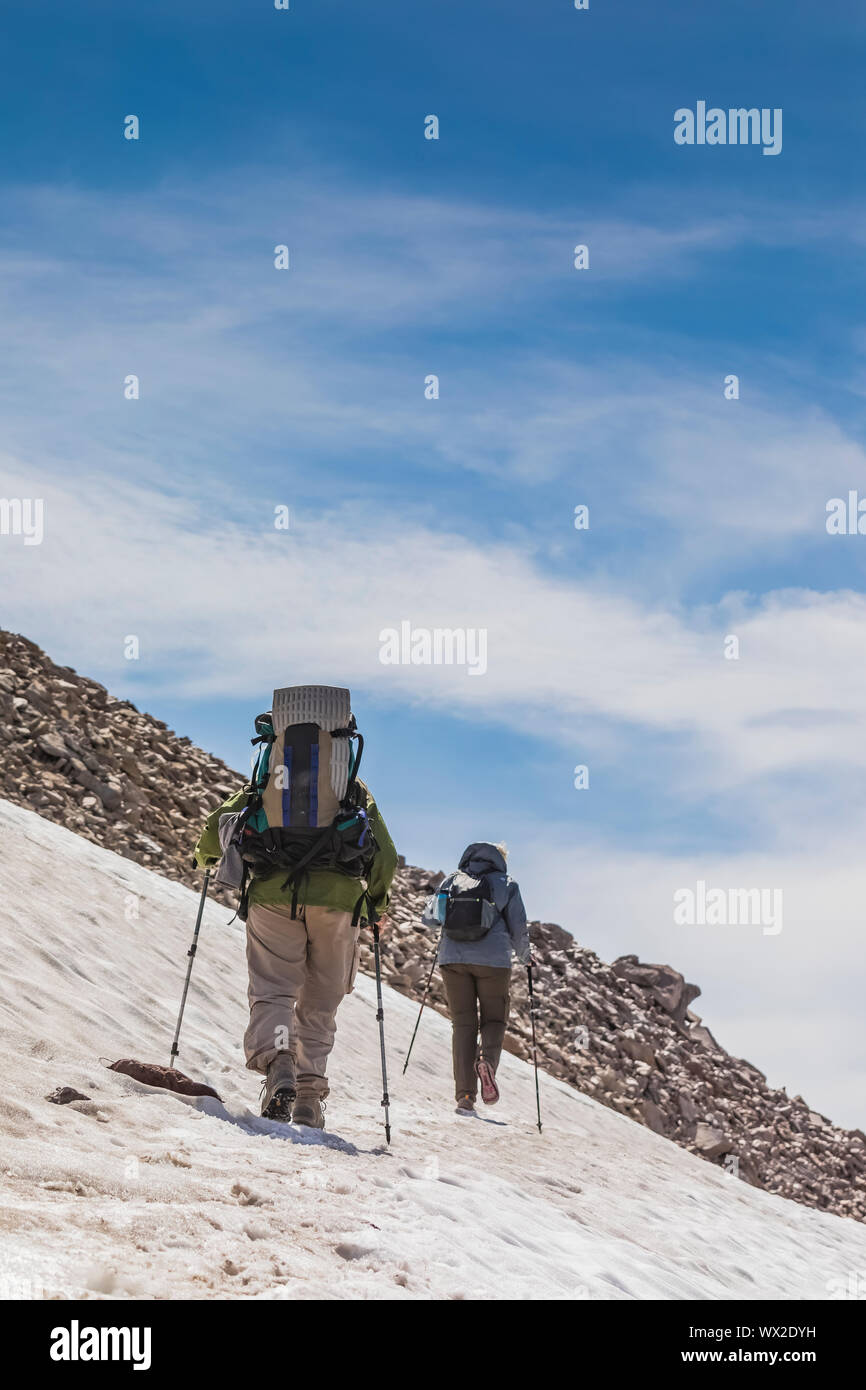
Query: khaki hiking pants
point(300, 969)
point(470, 990)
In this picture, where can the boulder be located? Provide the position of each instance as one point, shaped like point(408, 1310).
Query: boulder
point(64, 1095)
point(711, 1142)
point(687, 1108)
point(636, 1049)
point(109, 796)
point(703, 1035)
point(53, 745)
point(169, 1078)
point(667, 986)
point(653, 1117)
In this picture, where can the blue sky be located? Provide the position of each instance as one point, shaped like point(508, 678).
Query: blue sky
point(558, 387)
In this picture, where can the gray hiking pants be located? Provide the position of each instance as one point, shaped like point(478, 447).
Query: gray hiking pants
point(472, 990)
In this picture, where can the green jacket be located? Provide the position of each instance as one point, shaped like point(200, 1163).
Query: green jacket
point(321, 887)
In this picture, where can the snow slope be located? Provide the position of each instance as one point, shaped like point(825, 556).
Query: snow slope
point(139, 1193)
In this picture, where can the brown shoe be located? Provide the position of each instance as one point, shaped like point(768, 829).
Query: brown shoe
point(279, 1106)
point(487, 1077)
point(309, 1110)
point(466, 1104)
point(278, 1092)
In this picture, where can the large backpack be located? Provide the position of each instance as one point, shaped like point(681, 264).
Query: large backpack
point(294, 818)
point(470, 909)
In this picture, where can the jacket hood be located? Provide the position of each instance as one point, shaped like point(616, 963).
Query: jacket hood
point(482, 858)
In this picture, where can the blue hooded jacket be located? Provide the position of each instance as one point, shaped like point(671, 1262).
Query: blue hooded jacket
point(509, 931)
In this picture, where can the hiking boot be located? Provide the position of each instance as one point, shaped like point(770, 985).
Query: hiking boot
point(279, 1091)
point(279, 1107)
point(466, 1104)
point(309, 1110)
point(487, 1077)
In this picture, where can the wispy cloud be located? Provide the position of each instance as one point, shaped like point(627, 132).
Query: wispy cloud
point(133, 558)
point(317, 375)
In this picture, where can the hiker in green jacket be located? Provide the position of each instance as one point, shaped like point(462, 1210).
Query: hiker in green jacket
point(304, 924)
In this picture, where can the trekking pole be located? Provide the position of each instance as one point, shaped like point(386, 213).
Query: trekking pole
point(191, 954)
point(534, 1050)
point(423, 1002)
point(380, 1015)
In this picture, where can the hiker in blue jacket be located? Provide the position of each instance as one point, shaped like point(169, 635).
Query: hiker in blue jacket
point(483, 922)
